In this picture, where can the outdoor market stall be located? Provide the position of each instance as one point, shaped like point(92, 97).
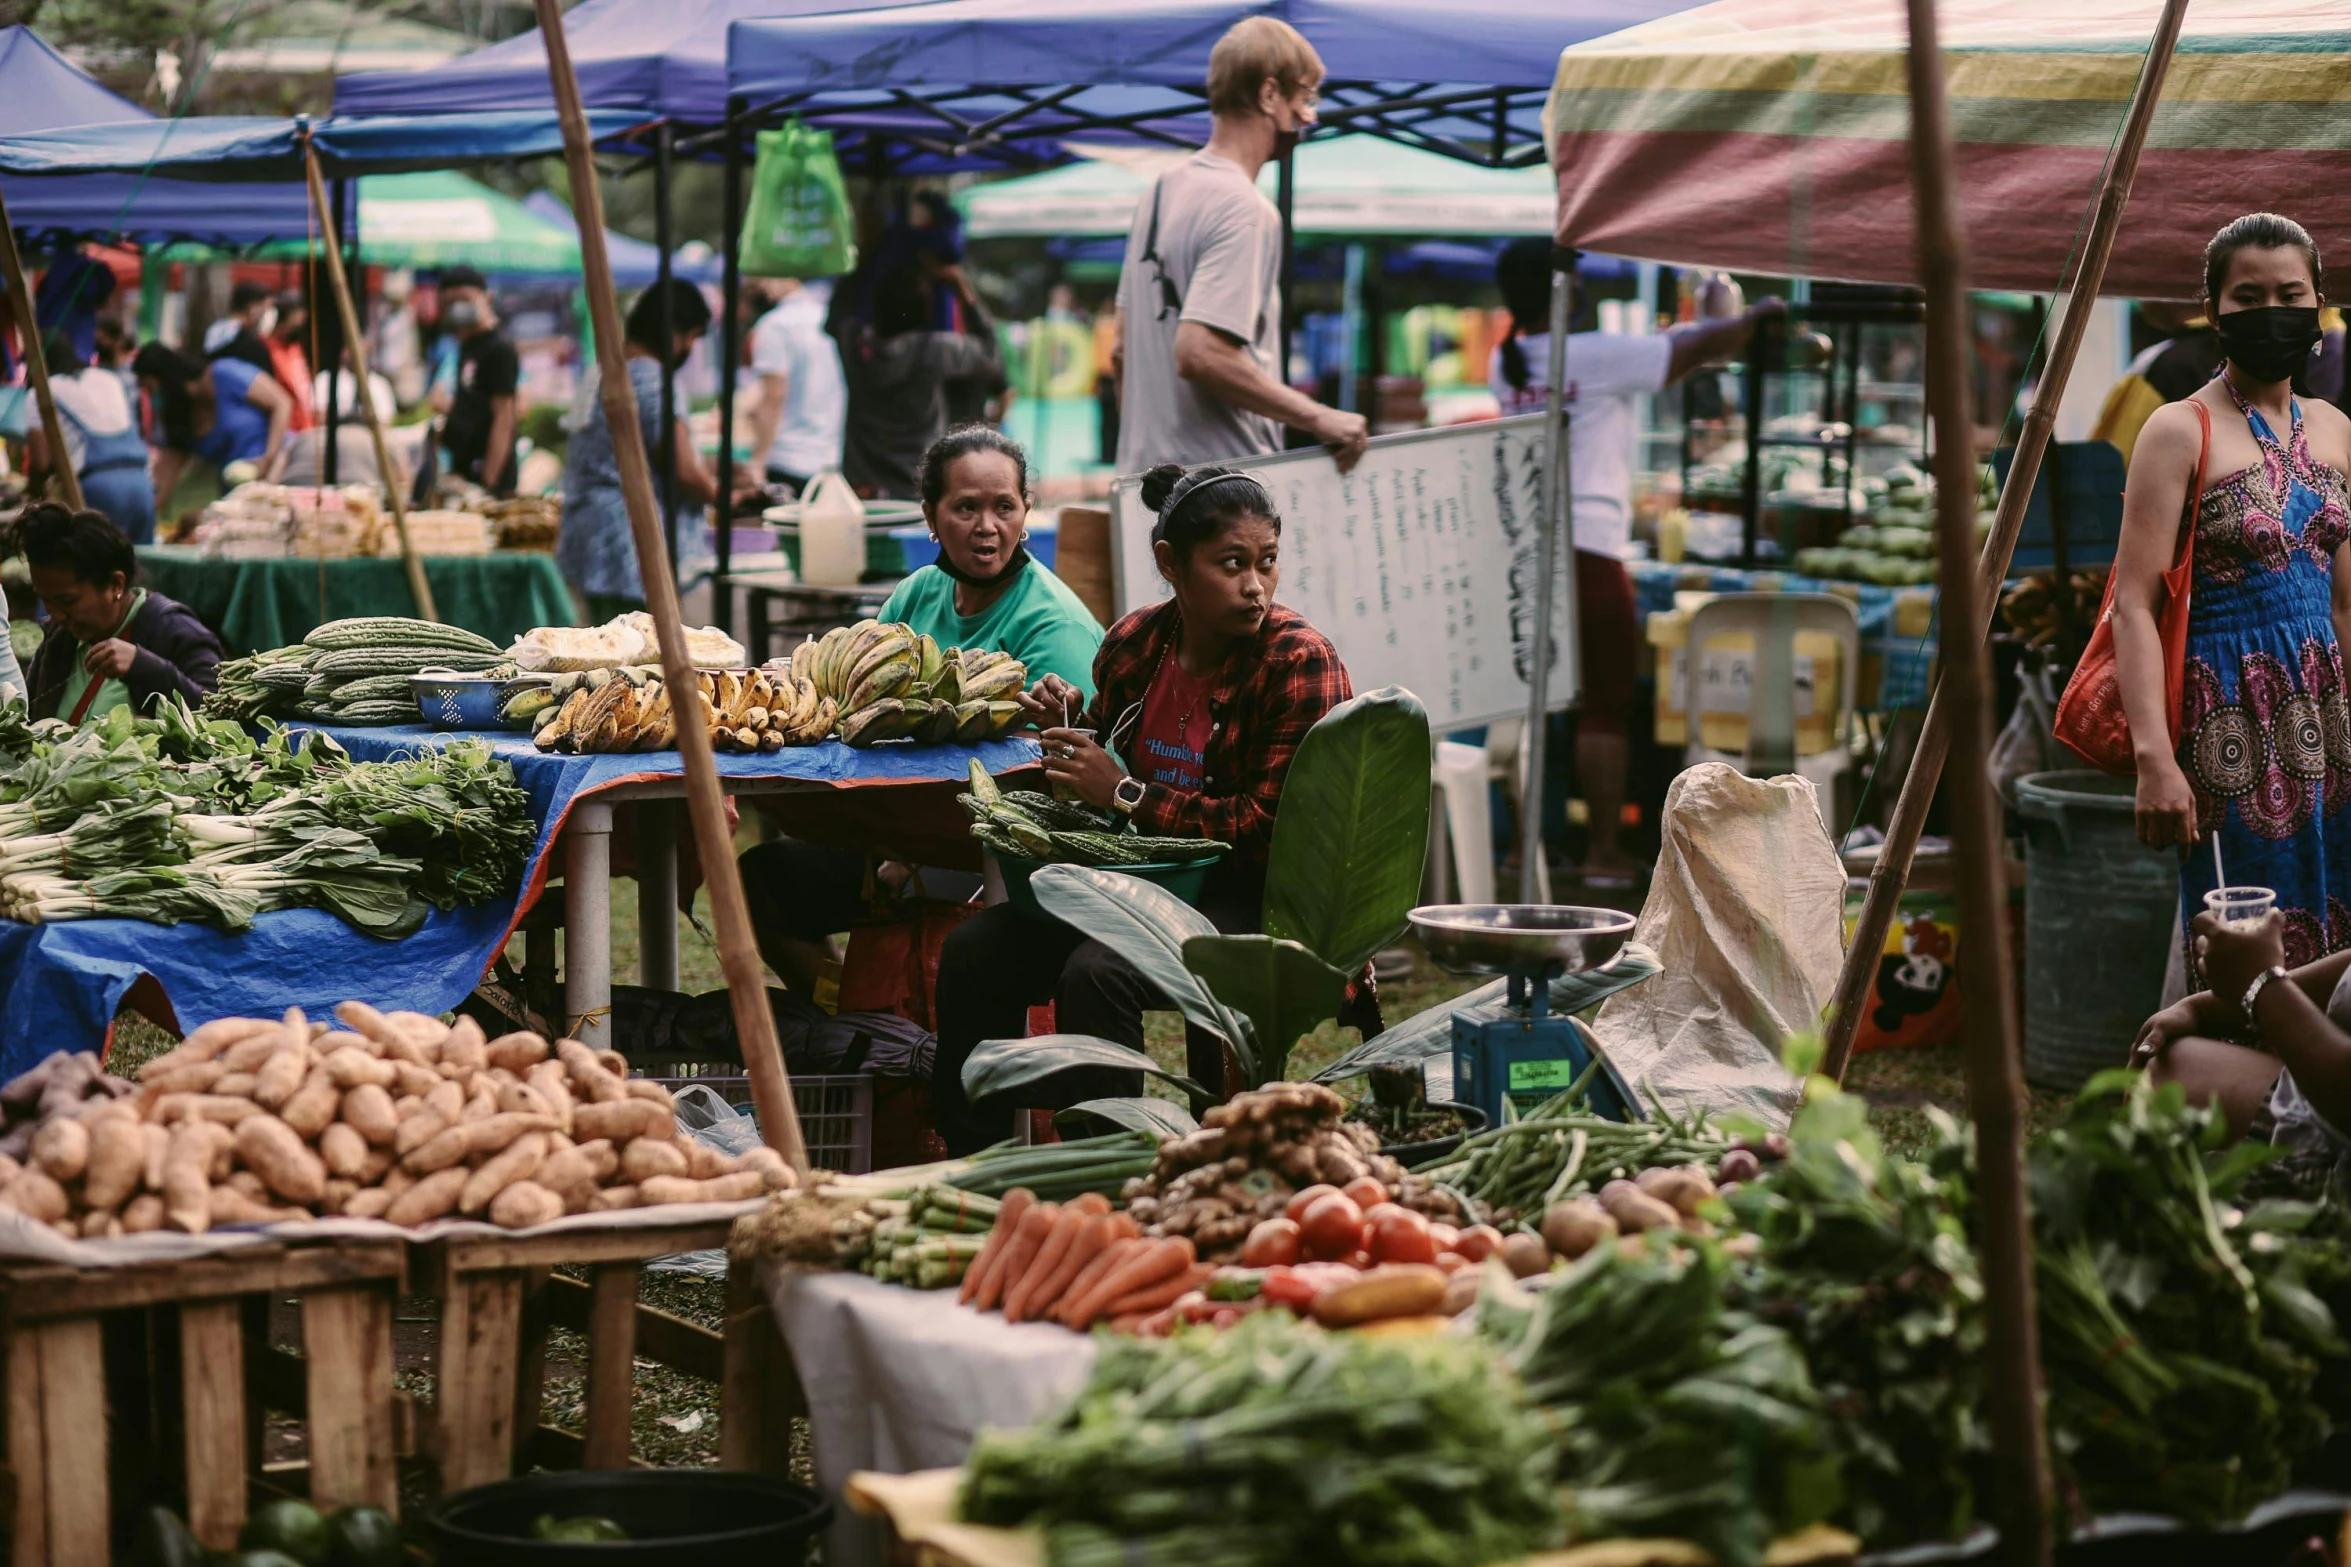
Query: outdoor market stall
point(259, 604)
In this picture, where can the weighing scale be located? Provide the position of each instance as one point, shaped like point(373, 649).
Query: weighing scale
point(1517, 1047)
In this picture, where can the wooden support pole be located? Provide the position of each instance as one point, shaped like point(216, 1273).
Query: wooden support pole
point(1892, 871)
point(1995, 1078)
point(763, 1058)
point(418, 588)
point(20, 296)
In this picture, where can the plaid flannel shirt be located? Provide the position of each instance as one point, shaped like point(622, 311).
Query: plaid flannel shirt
point(1264, 700)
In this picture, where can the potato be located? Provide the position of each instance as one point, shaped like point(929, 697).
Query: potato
point(340, 1190)
point(516, 1162)
point(1461, 1290)
point(704, 1161)
point(314, 1105)
point(193, 1077)
point(646, 1088)
point(1525, 1255)
point(369, 1202)
point(91, 1111)
point(524, 1204)
point(447, 1100)
point(553, 1081)
point(227, 1205)
point(614, 1198)
point(35, 1194)
point(414, 1131)
point(157, 1146)
point(619, 1120)
point(98, 1221)
point(246, 1055)
point(236, 1085)
point(144, 1213)
point(643, 1159)
point(280, 1076)
point(429, 1198)
point(204, 1045)
point(187, 1173)
point(516, 1052)
point(524, 1098)
point(247, 1181)
point(373, 1167)
point(771, 1168)
point(469, 1138)
point(1635, 1211)
point(481, 1103)
point(1576, 1226)
point(1685, 1186)
point(590, 1077)
point(464, 1051)
point(62, 1148)
point(275, 1152)
point(343, 1150)
point(1396, 1290)
point(368, 1110)
point(413, 1080)
point(9, 1169)
point(118, 1159)
point(350, 1067)
point(614, 1062)
point(663, 1189)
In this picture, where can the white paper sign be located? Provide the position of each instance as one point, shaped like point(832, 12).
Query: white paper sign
point(1420, 565)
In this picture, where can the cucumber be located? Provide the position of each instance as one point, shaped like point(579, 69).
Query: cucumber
point(377, 711)
point(375, 631)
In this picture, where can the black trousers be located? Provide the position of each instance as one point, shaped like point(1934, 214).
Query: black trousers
point(1000, 962)
point(802, 891)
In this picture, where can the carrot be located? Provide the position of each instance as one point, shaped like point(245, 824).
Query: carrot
point(1164, 1293)
point(1154, 1261)
point(1019, 1252)
point(1058, 1240)
point(1121, 1247)
point(1016, 1202)
point(1091, 1203)
point(1095, 1233)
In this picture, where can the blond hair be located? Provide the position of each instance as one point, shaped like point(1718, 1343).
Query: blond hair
point(1255, 50)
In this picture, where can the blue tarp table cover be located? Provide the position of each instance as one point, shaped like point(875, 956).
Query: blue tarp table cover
point(61, 984)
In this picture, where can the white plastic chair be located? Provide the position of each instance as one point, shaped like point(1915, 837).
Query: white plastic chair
point(1461, 836)
point(1774, 620)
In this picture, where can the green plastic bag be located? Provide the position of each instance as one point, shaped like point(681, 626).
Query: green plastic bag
point(799, 224)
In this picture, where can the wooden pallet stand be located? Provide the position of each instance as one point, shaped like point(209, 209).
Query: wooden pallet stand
point(112, 1374)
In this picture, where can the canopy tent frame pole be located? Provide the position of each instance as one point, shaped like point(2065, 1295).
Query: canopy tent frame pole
point(418, 587)
point(1892, 871)
point(666, 325)
point(1285, 200)
point(329, 460)
point(730, 347)
point(28, 327)
point(1995, 1081)
point(763, 1060)
point(1556, 542)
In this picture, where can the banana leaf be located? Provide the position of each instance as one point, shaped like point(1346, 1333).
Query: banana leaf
point(1147, 926)
point(1284, 990)
point(1353, 832)
point(1139, 1113)
point(1430, 1033)
point(1002, 1065)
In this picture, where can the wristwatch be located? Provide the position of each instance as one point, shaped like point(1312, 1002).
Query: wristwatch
point(2261, 982)
point(1127, 794)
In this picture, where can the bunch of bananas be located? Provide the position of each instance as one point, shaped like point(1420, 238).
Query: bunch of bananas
point(893, 683)
point(608, 710)
point(2030, 607)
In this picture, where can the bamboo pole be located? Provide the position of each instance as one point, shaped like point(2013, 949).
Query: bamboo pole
point(763, 1059)
point(20, 295)
point(1995, 1081)
point(418, 588)
point(1892, 871)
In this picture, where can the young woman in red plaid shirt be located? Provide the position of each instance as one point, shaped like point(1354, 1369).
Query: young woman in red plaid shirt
point(1200, 703)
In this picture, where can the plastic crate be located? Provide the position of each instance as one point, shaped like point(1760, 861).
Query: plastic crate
point(836, 1114)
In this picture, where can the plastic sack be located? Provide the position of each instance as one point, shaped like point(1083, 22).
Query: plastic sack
point(1744, 913)
point(799, 223)
point(711, 1121)
point(1914, 1001)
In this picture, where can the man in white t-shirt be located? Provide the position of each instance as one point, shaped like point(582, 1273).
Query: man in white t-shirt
point(803, 403)
point(1200, 349)
point(1607, 375)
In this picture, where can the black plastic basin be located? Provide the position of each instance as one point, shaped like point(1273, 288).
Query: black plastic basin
point(720, 1516)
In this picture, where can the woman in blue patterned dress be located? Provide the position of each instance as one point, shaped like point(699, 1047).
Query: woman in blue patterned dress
point(2263, 756)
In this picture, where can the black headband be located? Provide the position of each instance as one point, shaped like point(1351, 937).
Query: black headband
point(1184, 494)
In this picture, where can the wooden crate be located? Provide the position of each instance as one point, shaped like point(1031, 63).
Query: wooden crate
point(166, 1369)
point(114, 1373)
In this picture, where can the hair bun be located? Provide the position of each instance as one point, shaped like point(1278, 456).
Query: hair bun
point(1159, 484)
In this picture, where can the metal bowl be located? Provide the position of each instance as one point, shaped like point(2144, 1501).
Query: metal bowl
point(1503, 938)
point(451, 700)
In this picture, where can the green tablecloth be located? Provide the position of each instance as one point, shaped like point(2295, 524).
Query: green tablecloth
point(258, 604)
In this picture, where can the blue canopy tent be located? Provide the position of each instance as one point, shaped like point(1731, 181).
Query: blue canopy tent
point(634, 263)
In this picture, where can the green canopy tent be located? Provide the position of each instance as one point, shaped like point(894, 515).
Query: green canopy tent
point(436, 219)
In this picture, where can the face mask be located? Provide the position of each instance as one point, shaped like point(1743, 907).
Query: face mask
point(2271, 342)
point(462, 315)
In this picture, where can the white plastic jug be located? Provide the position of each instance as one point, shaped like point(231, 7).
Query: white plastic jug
point(832, 533)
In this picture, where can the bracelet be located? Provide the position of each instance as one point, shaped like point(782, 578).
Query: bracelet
point(2261, 982)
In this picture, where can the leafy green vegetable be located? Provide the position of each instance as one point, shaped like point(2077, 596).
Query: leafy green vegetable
point(1275, 1443)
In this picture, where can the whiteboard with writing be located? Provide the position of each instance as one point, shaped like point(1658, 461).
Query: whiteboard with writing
point(1420, 565)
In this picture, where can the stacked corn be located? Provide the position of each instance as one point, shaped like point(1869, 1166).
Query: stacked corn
point(894, 683)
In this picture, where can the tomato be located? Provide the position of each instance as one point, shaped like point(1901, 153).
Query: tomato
point(1478, 1242)
point(1295, 1209)
point(1366, 1190)
point(1453, 1261)
point(1361, 1261)
point(1289, 1287)
point(1446, 1235)
point(1224, 1318)
point(1331, 1228)
point(1400, 1235)
point(1271, 1243)
point(1194, 1306)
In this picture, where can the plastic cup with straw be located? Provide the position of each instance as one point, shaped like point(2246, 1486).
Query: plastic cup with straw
point(2238, 908)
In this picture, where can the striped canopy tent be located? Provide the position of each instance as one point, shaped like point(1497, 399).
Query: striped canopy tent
point(1770, 136)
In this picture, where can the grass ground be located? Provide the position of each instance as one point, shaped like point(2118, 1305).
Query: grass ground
point(676, 1417)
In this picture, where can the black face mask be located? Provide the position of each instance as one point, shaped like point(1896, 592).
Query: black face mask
point(1018, 562)
point(2271, 342)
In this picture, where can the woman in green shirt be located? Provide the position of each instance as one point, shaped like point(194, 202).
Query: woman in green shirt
point(983, 592)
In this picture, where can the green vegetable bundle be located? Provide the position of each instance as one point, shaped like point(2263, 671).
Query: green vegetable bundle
point(925, 1241)
point(1033, 826)
point(1675, 1417)
point(352, 671)
point(1276, 1443)
point(1559, 1149)
point(1059, 1171)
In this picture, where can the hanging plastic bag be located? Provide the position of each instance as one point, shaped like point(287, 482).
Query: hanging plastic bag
point(799, 224)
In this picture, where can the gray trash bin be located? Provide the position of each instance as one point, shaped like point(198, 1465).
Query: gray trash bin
point(2097, 924)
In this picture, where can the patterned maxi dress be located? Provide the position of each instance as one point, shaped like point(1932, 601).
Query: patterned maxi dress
point(2267, 727)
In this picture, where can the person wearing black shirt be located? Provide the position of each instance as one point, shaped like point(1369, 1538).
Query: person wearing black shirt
point(478, 433)
point(249, 305)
